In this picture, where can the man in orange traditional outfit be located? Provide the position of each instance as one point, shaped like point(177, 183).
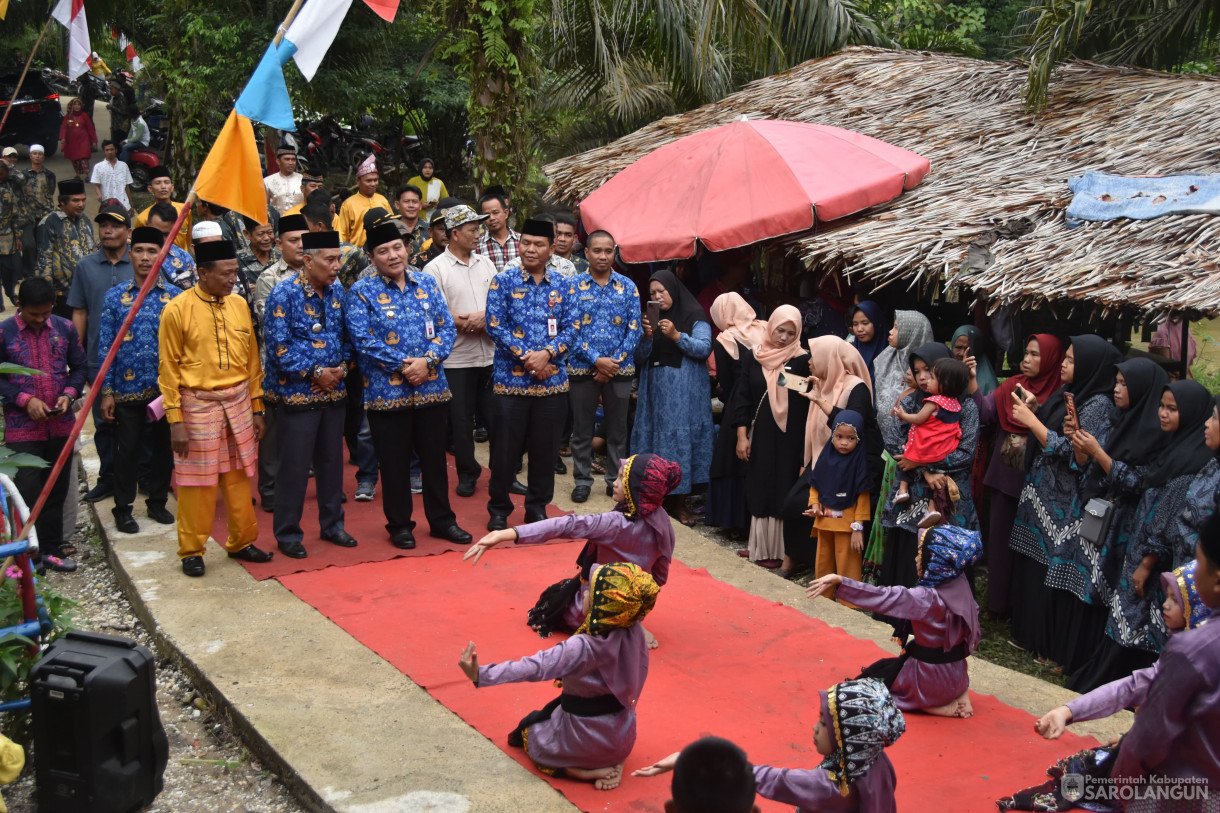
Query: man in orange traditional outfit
point(212, 384)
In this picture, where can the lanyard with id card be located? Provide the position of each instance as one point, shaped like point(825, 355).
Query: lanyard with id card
point(429, 329)
point(552, 327)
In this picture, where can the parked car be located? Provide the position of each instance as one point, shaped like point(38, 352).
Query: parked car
point(36, 114)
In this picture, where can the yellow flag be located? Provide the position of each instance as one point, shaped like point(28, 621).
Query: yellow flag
point(3, 8)
point(231, 175)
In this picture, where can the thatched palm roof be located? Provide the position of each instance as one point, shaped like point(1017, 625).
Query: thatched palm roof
point(991, 163)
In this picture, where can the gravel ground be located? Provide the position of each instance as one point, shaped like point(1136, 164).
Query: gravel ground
point(209, 771)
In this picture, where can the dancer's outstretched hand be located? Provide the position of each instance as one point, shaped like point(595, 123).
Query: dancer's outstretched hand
point(470, 663)
point(825, 585)
point(1054, 722)
point(487, 543)
point(659, 768)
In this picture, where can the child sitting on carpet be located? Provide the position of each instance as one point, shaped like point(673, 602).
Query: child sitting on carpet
point(588, 731)
point(1183, 610)
point(839, 499)
point(638, 530)
point(940, 615)
point(858, 720)
point(710, 774)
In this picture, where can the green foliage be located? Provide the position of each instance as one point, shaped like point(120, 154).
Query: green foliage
point(928, 25)
point(15, 656)
point(10, 461)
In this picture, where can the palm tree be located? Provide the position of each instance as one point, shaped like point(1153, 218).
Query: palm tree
point(1163, 34)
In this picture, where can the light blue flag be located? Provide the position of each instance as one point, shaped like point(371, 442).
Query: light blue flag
point(265, 98)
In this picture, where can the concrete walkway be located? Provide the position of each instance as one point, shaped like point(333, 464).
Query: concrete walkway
point(346, 730)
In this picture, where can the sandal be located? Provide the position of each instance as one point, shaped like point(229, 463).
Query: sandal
point(597, 468)
point(65, 551)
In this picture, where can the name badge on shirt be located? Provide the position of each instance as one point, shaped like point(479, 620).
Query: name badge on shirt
point(552, 327)
point(429, 329)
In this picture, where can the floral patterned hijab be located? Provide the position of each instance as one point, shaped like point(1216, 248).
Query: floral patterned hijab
point(944, 552)
point(647, 479)
point(622, 595)
point(864, 720)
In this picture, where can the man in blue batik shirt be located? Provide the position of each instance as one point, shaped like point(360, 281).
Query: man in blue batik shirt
point(402, 331)
point(308, 355)
point(131, 383)
point(601, 362)
point(531, 316)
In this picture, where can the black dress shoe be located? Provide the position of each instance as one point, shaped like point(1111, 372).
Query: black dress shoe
point(517, 487)
point(535, 516)
point(498, 522)
point(268, 503)
point(124, 521)
point(293, 550)
point(465, 486)
point(560, 467)
point(159, 513)
point(403, 539)
point(341, 538)
point(193, 566)
point(480, 435)
point(453, 534)
point(99, 492)
point(580, 493)
point(252, 554)
point(610, 490)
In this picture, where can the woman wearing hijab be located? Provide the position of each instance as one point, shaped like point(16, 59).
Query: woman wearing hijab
point(1203, 496)
point(868, 332)
point(673, 413)
point(1048, 510)
point(638, 531)
point(901, 520)
point(1038, 380)
point(858, 721)
point(739, 333)
point(1143, 544)
point(968, 343)
point(938, 615)
point(589, 730)
point(840, 381)
point(768, 421)
point(431, 188)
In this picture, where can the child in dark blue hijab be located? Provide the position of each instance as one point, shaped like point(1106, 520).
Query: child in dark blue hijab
point(839, 498)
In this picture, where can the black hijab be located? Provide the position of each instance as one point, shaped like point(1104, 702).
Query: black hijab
point(1094, 375)
point(929, 354)
point(1184, 451)
point(684, 313)
point(1136, 436)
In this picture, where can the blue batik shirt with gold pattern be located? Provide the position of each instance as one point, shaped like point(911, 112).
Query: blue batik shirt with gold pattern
point(389, 326)
point(304, 330)
point(133, 376)
point(609, 324)
point(178, 268)
point(519, 320)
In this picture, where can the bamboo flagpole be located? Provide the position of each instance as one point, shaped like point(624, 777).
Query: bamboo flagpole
point(95, 389)
point(29, 61)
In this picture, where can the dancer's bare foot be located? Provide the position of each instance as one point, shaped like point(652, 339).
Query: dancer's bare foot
point(651, 639)
point(964, 707)
point(602, 778)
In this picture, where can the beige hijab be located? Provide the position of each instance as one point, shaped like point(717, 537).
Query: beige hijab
point(737, 322)
point(773, 358)
point(841, 369)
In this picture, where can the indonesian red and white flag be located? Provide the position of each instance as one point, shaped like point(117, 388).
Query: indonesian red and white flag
point(71, 14)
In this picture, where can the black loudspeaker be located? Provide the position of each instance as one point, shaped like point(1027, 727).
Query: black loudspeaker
point(99, 746)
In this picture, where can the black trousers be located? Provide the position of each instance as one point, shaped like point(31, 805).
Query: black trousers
point(398, 434)
point(130, 427)
point(267, 457)
point(50, 524)
point(471, 388)
point(615, 397)
point(306, 437)
point(105, 440)
point(522, 424)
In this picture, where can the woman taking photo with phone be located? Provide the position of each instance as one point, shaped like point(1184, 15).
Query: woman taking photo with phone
point(1048, 510)
point(673, 413)
point(768, 421)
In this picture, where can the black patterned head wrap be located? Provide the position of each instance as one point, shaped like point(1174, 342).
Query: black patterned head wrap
point(863, 721)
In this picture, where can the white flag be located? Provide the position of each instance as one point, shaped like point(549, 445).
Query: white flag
point(71, 14)
point(312, 32)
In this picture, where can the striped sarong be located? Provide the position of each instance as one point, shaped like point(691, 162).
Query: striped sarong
point(220, 424)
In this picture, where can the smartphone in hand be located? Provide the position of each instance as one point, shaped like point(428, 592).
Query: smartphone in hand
point(1069, 401)
point(653, 314)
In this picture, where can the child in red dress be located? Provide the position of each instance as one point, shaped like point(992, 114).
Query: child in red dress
point(935, 429)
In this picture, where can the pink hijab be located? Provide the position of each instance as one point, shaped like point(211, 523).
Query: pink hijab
point(841, 368)
point(773, 358)
point(737, 322)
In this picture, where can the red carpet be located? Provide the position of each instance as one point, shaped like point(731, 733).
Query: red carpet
point(366, 522)
point(730, 664)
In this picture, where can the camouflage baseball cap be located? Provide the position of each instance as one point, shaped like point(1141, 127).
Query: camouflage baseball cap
point(460, 215)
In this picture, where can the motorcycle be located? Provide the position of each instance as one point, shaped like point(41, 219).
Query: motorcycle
point(158, 124)
point(141, 162)
point(314, 153)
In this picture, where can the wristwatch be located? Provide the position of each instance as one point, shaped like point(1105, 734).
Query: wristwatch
point(857, 526)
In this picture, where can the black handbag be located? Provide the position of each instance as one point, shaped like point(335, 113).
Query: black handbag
point(1095, 521)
